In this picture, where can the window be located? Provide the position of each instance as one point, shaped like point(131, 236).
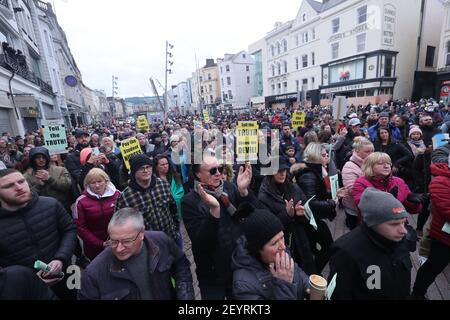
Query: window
point(201, 78)
point(429, 61)
point(370, 93)
point(210, 87)
point(296, 40)
point(304, 17)
point(230, 94)
point(228, 81)
point(247, 68)
point(224, 95)
point(273, 89)
point(388, 66)
point(296, 63)
point(285, 45)
point(361, 42)
point(279, 68)
point(243, 55)
point(313, 59)
point(362, 14)
point(297, 86)
point(335, 50)
point(304, 61)
point(227, 68)
point(313, 80)
point(306, 37)
point(211, 98)
point(313, 33)
point(279, 88)
point(278, 48)
point(248, 80)
point(272, 49)
point(201, 89)
point(221, 70)
point(335, 25)
point(353, 70)
point(447, 60)
point(222, 82)
point(304, 40)
point(284, 87)
point(273, 71)
point(305, 81)
point(285, 66)
point(209, 76)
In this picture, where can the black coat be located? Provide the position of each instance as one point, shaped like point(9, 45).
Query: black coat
point(354, 256)
point(213, 240)
point(42, 230)
point(253, 281)
point(295, 233)
point(399, 153)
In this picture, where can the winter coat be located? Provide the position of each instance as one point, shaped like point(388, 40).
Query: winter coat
point(213, 240)
point(296, 237)
point(42, 230)
point(58, 185)
point(253, 281)
point(395, 132)
point(440, 155)
point(291, 141)
point(92, 214)
point(386, 185)
point(400, 155)
point(106, 278)
point(351, 171)
point(439, 191)
point(354, 257)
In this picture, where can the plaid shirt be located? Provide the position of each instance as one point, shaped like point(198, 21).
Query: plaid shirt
point(157, 206)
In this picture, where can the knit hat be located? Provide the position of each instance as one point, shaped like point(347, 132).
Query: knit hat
point(138, 161)
point(415, 129)
point(378, 207)
point(84, 155)
point(384, 115)
point(259, 226)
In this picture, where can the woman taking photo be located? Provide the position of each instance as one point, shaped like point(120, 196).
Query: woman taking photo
point(93, 210)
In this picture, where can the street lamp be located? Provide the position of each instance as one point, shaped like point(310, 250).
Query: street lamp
point(168, 71)
point(114, 92)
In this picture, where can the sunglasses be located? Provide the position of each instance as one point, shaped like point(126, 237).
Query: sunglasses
point(213, 171)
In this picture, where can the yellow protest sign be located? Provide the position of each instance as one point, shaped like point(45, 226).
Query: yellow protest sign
point(298, 119)
point(129, 148)
point(206, 115)
point(247, 141)
point(142, 123)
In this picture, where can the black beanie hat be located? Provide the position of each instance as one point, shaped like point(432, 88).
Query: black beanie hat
point(138, 161)
point(259, 226)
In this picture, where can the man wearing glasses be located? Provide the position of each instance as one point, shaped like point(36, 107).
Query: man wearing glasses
point(152, 196)
point(138, 265)
point(207, 213)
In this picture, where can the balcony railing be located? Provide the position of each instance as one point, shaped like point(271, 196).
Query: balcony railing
point(4, 3)
point(15, 61)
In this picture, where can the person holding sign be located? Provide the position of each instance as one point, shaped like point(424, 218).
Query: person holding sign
point(439, 256)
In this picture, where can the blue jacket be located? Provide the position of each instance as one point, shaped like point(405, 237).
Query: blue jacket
point(395, 132)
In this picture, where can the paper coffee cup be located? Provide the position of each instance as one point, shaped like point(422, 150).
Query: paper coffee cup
point(318, 287)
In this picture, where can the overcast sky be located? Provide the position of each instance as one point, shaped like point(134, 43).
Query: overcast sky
point(127, 37)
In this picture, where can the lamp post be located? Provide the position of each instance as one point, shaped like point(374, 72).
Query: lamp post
point(114, 92)
point(168, 71)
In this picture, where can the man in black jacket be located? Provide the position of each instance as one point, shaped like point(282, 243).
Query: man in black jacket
point(372, 262)
point(34, 228)
point(72, 162)
point(207, 212)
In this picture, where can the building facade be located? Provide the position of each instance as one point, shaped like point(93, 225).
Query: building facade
point(180, 98)
point(205, 87)
point(443, 63)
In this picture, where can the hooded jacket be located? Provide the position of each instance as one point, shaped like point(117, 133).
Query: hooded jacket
point(439, 191)
point(58, 185)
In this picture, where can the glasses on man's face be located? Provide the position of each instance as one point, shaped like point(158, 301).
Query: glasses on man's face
point(145, 168)
point(125, 242)
point(213, 171)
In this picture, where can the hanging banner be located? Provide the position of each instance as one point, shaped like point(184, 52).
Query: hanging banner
point(247, 141)
point(129, 148)
point(206, 115)
point(55, 139)
point(298, 120)
point(142, 124)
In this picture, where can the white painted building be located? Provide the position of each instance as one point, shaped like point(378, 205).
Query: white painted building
point(236, 72)
point(180, 98)
point(443, 63)
point(367, 50)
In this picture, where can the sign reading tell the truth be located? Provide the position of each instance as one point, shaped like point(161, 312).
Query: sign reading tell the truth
point(142, 123)
point(55, 137)
point(247, 141)
point(298, 120)
point(129, 148)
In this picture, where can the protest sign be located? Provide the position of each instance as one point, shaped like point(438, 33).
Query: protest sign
point(298, 120)
point(206, 115)
point(334, 182)
point(55, 137)
point(339, 108)
point(129, 148)
point(440, 140)
point(142, 123)
point(247, 141)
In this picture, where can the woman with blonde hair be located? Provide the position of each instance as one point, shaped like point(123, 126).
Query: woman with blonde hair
point(93, 210)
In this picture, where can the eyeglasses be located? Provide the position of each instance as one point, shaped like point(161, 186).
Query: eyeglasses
point(125, 242)
point(213, 171)
point(145, 168)
point(324, 155)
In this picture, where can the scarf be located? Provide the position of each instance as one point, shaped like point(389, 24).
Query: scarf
point(220, 195)
point(414, 144)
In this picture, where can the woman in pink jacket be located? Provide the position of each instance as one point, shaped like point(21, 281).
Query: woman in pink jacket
point(377, 169)
point(352, 170)
point(93, 211)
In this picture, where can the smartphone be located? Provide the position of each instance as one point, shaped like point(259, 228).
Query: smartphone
point(95, 151)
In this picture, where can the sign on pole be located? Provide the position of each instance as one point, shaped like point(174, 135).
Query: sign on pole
point(339, 108)
point(55, 137)
point(247, 141)
point(298, 119)
point(129, 148)
point(440, 140)
point(206, 115)
point(142, 123)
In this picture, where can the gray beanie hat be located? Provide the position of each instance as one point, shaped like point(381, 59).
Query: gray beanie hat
point(378, 207)
point(384, 115)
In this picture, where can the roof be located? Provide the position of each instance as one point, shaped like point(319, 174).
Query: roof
point(321, 7)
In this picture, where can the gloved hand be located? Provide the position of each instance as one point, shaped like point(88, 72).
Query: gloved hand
point(415, 197)
point(394, 192)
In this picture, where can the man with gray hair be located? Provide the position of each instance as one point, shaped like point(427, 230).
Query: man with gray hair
point(137, 265)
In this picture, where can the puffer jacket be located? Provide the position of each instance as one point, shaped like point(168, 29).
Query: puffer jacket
point(253, 281)
point(310, 180)
point(439, 191)
point(351, 171)
point(58, 185)
point(42, 230)
point(106, 277)
point(92, 214)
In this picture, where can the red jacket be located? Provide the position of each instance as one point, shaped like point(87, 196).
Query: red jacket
point(385, 185)
point(92, 215)
point(439, 191)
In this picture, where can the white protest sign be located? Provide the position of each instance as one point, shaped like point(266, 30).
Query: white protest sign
point(339, 108)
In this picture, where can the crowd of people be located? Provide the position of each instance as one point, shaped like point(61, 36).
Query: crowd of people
point(254, 235)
